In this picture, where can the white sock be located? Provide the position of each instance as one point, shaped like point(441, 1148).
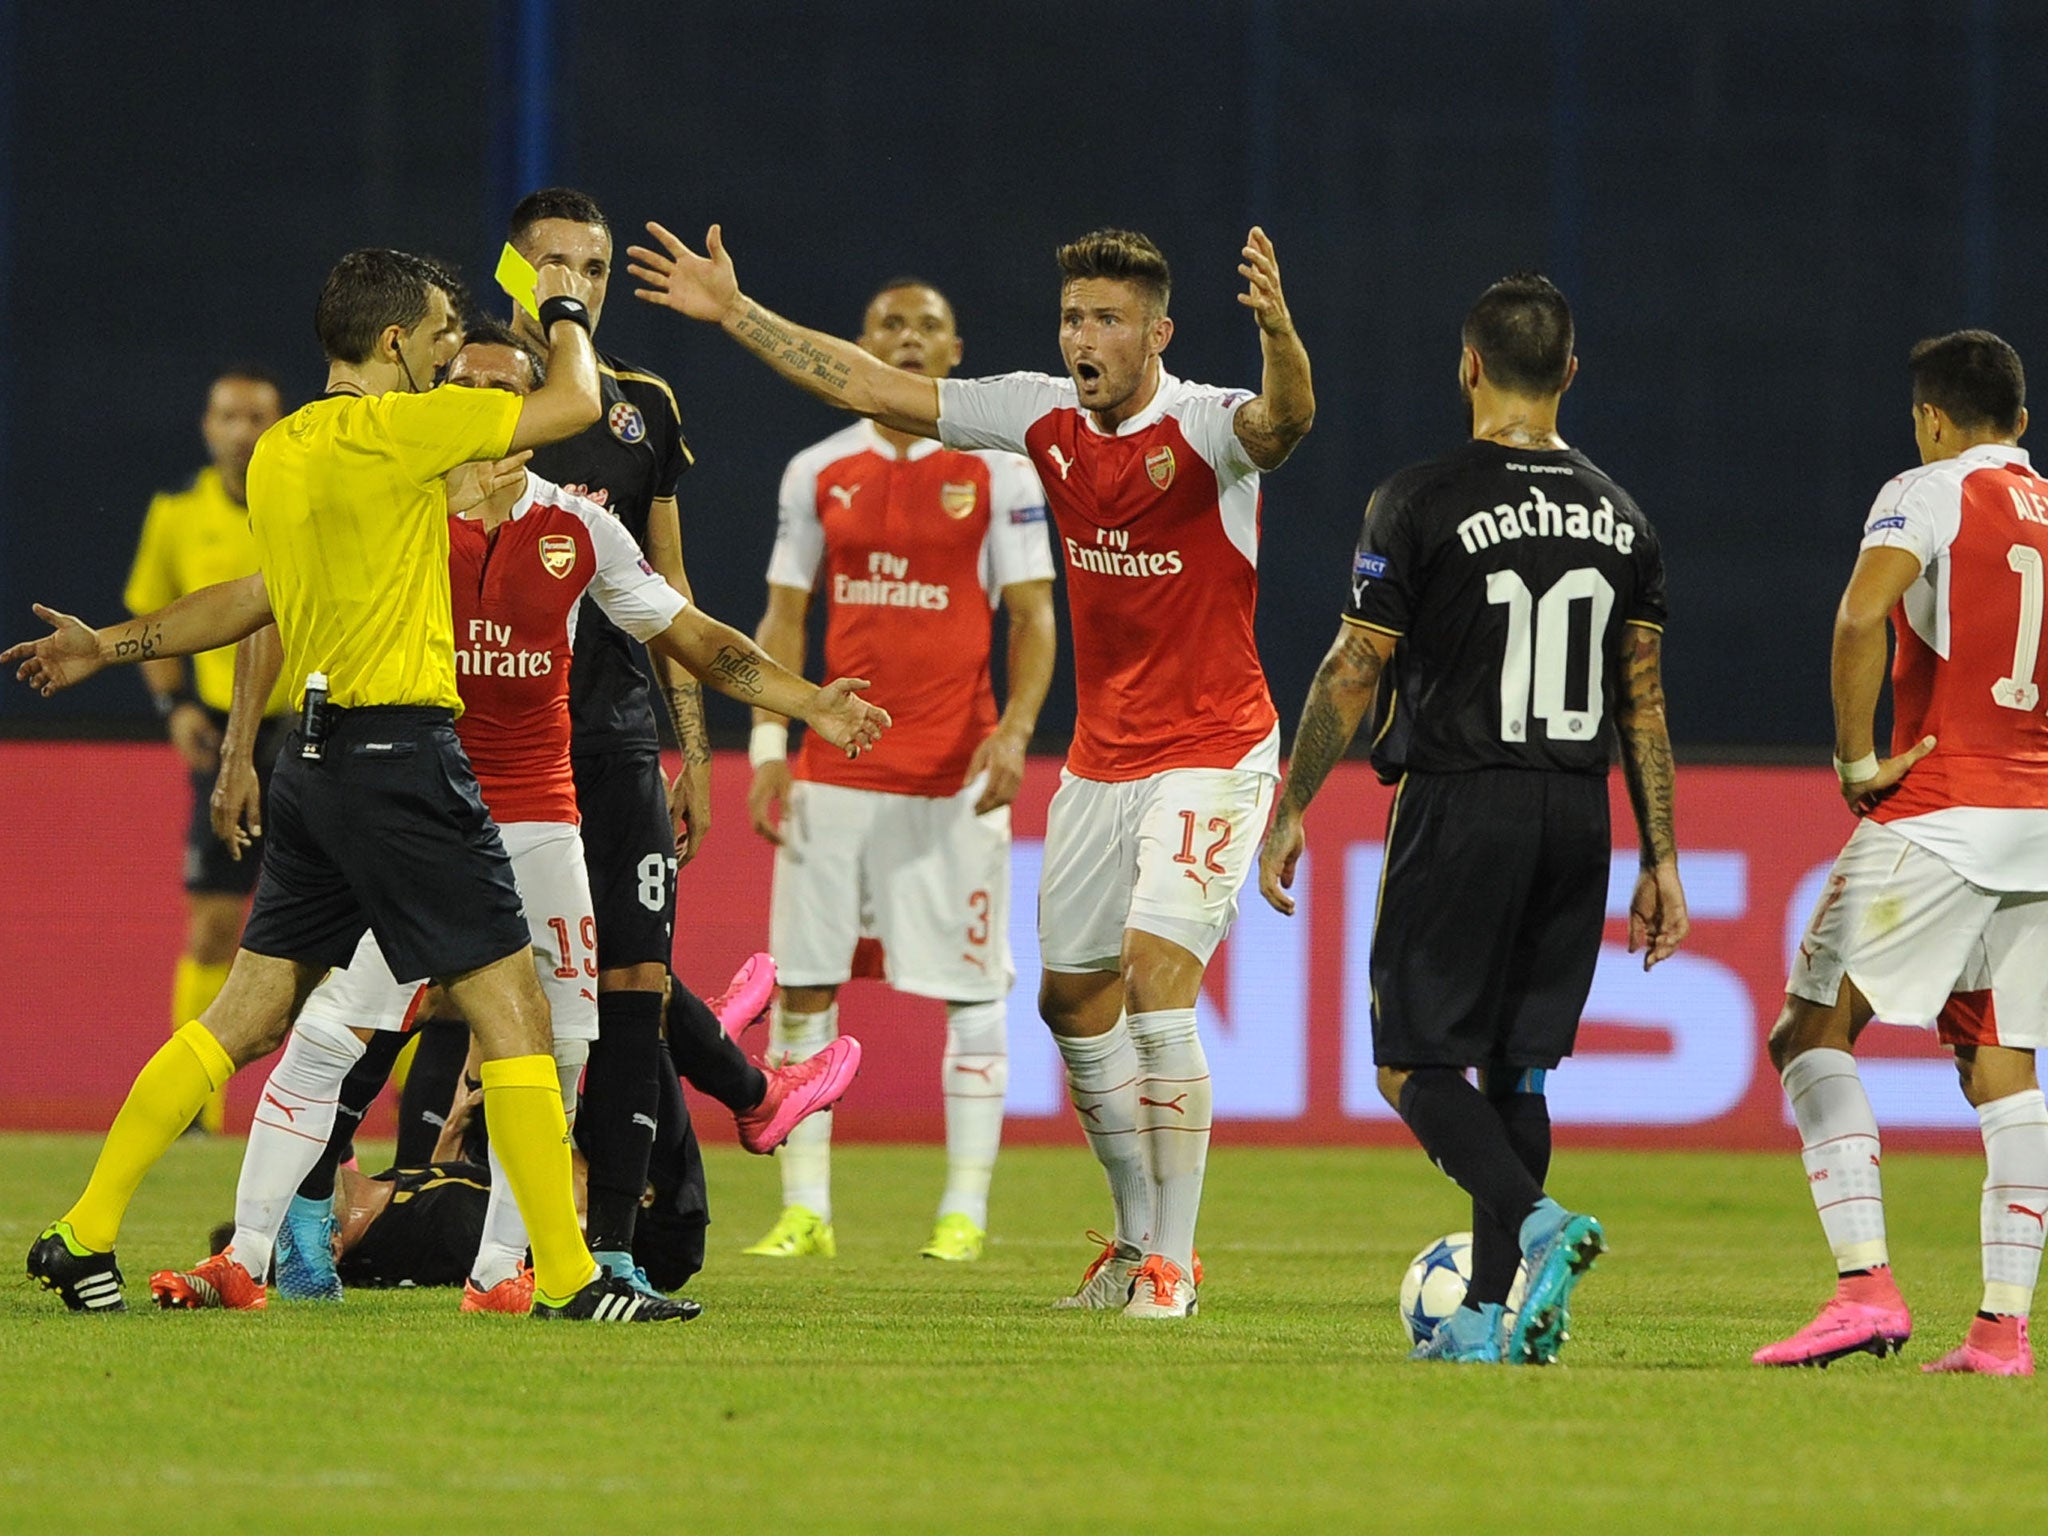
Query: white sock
point(1102, 1080)
point(975, 1072)
point(806, 1157)
point(1174, 1111)
point(2015, 1199)
point(1840, 1148)
point(294, 1118)
point(502, 1249)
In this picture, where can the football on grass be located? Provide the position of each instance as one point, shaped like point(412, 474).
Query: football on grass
point(1434, 1286)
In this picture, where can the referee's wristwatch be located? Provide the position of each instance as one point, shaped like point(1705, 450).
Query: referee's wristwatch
point(562, 307)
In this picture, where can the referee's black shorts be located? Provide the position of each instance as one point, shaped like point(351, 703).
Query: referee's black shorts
point(1490, 917)
point(629, 848)
point(386, 832)
point(210, 870)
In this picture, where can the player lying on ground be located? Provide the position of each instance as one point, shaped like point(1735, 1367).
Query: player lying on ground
point(1944, 883)
point(521, 563)
point(318, 911)
point(908, 545)
point(420, 1222)
point(1154, 484)
point(1466, 590)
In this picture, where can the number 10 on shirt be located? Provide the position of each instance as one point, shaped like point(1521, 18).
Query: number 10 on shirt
point(1539, 647)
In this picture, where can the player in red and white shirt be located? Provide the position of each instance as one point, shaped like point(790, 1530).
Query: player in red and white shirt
point(1154, 486)
point(1944, 884)
point(520, 565)
point(910, 546)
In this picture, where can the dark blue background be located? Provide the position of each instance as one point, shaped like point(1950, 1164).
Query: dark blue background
point(1756, 209)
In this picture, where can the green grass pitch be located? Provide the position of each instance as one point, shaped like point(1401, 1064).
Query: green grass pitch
point(885, 1393)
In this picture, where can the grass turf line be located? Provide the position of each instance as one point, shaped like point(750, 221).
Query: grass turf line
point(887, 1393)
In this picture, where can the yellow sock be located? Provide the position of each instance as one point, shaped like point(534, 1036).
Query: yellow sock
point(167, 1093)
point(523, 1108)
point(193, 989)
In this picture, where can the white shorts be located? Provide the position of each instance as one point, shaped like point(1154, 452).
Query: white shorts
point(547, 866)
point(926, 877)
point(1165, 855)
point(1908, 930)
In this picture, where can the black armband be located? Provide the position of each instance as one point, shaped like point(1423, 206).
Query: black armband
point(562, 307)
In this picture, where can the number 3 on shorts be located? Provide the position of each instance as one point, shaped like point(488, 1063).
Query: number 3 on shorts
point(655, 871)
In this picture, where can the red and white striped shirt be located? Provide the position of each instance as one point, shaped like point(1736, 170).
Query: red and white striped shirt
point(1159, 524)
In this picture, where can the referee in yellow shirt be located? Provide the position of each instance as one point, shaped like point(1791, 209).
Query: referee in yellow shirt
point(374, 819)
point(192, 539)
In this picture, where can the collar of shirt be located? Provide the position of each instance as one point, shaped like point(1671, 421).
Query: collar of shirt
point(1997, 453)
point(1164, 396)
point(920, 447)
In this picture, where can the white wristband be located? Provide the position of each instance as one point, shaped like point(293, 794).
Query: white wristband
point(1865, 767)
point(769, 743)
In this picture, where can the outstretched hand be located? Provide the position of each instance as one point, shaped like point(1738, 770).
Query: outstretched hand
point(677, 278)
point(841, 716)
point(1262, 296)
point(69, 654)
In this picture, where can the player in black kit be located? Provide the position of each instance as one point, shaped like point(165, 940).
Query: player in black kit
point(635, 832)
point(1513, 598)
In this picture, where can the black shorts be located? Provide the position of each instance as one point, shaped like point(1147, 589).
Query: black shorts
point(1490, 917)
point(386, 832)
point(428, 1234)
point(629, 848)
point(210, 870)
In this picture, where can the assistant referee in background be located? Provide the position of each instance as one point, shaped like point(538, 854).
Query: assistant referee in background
point(191, 539)
point(374, 820)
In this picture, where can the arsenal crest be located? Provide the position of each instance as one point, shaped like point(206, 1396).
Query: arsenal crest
point(1159, 465)
point(626, 422)
point(557, 553)
point(956, 498)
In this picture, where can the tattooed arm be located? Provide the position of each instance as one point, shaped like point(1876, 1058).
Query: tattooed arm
point(199, 621)
point(1656, 916)
point(734, 665)
point(689, 798)
point(1270, 424)
point(837, 372)
point(1339, 698)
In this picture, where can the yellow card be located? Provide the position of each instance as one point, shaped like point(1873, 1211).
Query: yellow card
point(517, 277)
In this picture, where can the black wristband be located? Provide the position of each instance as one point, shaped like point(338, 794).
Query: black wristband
point(167, 703)
point(561, 307)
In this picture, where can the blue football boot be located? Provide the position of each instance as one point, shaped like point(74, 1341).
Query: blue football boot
point(304, 1261)
point(1558, 1246)
point(1469, 1336)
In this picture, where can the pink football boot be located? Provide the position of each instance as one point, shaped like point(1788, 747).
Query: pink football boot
point(1993, 1347)
point(1866, 1314)
point(802, 1088)
point(745, 1002)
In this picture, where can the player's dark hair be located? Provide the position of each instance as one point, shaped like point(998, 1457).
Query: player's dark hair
point(371, 289)
point(1521, 327)
point(1123, 255)
point(906, 280)
point(1974, 376)
point(555, 203)
point(489, 331)
point(249, 373)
